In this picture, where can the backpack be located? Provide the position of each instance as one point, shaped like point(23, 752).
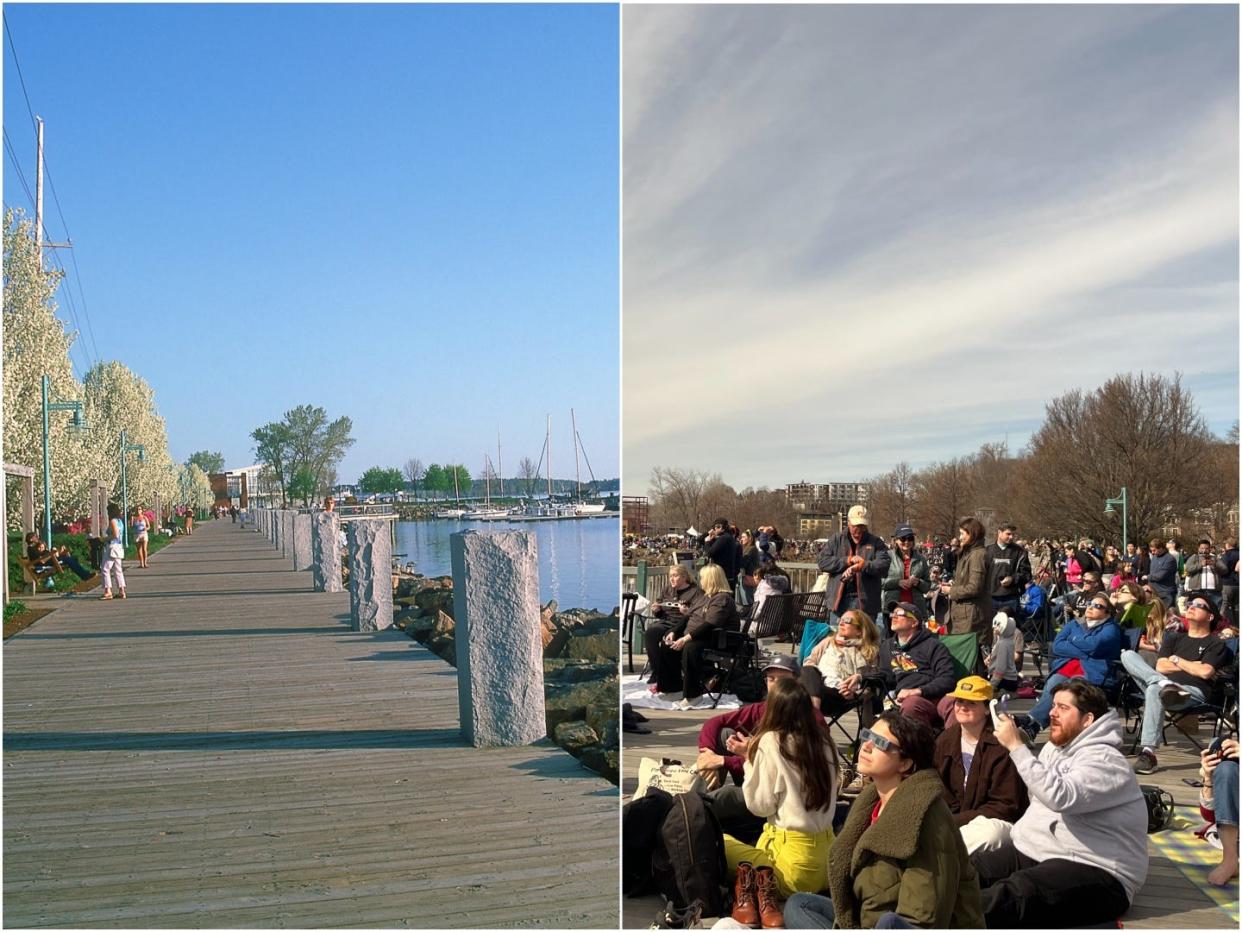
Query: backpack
point(641, 820)
point(749, 685)
point(689, 861)
point(1159, 807)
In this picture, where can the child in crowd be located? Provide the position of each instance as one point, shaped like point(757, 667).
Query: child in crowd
point(1001, 665)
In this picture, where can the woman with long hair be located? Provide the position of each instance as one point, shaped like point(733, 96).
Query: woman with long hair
point(746, 581)
point(899, 861)
point(832, 674)
point(792, 773)
point(970, 596)
point(715, 610)
point(1157, 622)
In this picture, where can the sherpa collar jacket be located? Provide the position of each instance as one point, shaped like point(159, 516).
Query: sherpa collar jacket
point(912, 861)
point(993, 788)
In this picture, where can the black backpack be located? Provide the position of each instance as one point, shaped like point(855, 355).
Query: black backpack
point(641, 821)
point(689, 862)
point(1159, 807)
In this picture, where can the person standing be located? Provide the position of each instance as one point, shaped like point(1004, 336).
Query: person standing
point(1162, 573)
point(1229, 581)
point(970, 595)
point(1204, 572)
point(1009, 568)
point(856, 561)
point(720, 547)
point(114, 553)
point(141, 527)
point(909, 577)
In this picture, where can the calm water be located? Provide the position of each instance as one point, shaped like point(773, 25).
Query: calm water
point(579, 561)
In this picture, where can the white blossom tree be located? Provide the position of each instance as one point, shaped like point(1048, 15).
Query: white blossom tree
point(36, 343)
point(194, 488)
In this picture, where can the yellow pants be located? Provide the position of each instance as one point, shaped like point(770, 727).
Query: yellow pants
point(798, 859)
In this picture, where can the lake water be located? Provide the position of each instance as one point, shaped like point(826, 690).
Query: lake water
point(579, 561)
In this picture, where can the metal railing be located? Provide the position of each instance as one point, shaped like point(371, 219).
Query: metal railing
point(801, 577)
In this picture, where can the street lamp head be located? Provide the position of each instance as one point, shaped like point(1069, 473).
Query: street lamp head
point(1108, 507)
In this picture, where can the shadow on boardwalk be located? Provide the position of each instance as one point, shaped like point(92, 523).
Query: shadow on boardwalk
point(201, 755)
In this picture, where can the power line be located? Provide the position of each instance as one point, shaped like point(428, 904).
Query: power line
point(8, 147)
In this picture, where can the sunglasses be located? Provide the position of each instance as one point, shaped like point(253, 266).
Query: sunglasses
point(1101, 606)
point(907, 539)
point(899, 613)
point(1206, 608)
point(879, 742)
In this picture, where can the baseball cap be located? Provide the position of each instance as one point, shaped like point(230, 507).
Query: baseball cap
point(973, 689)
point(903, 530)
point(781, 662)
point(858, 515)
point(909, 609)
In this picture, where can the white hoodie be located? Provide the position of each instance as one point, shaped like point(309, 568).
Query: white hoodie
point(773, 789)
point(1086, 805)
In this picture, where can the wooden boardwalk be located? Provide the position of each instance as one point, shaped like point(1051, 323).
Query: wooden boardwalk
point(1168, 900)
point(221, 750)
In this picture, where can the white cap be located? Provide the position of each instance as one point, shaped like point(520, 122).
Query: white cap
point(858, 515)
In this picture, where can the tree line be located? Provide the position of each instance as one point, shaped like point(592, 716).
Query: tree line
point(1140, 431)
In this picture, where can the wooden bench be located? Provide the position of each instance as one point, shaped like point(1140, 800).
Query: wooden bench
point(29, 576)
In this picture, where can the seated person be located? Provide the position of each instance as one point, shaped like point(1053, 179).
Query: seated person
point(981, 785)
point(1218, 802)
point(1183, 673)
point(792, 775)
point(833, 671)
point(1087, 648)
point(47, 562)
point(724, 739)
point(772, 580)
point(677, 662)
point(672, 610)
point(1132, 605)
point(917, 666)
point(1078, 855)
point(1004, 659)
point(1157, 621)
point(899, 861)
point(1032, 601)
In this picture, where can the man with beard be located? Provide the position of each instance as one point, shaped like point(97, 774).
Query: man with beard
point(856, 562)
point(1078, 855)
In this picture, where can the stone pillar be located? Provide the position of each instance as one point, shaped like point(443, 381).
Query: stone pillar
point(497, 637)
point(301, 542)
point(326, 552)
point(370, 575)
point(286, 527)
point(99, 508)
point(28, 516)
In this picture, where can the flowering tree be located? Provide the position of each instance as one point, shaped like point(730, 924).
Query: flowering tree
point(36, 343)
point(193, 487)
point(116, 399)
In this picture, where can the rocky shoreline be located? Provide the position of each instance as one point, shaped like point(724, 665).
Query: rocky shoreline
point(580, 680)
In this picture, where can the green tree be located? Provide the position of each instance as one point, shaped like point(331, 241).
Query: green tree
point(461, 484)
point(207, 461)
point(304, 439)
point(377, 479)
point(272, 447)
point(437, 478)
point(303, 485)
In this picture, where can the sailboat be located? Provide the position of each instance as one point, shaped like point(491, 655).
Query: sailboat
point(453, 512)
point(582, 508)
point(486, 512)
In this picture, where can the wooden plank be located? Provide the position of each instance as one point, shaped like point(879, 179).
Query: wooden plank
point(220, 749)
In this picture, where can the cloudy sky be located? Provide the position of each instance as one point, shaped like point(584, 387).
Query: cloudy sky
point(855, 235)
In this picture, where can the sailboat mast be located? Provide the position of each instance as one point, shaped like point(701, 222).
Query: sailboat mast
point(487, 477)
point(573, 423)
point(500, 464)
point(548, 443)
point(456, 488)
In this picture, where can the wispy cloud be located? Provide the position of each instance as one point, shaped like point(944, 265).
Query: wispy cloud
point(856, 235)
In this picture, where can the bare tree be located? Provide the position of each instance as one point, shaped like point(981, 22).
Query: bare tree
point(677, 496)
point(528, 472)
point(944, 493)
point(414, 472)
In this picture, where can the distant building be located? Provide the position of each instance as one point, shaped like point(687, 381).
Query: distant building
point(826, 498)
point(230, 489)
point(635, 514)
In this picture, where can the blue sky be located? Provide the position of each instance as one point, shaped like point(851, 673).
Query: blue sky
point(405, 214)
point(855, 235)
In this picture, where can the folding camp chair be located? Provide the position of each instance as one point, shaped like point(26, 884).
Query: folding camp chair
point(733, 653)
point(630, 619)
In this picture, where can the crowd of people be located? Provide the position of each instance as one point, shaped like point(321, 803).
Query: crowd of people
point(950, 816)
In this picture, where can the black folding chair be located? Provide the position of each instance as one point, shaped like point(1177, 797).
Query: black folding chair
point(629, 619)
point(734, 653)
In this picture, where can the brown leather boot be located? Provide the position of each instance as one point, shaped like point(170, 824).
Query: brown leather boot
point(769, 901)
point(745, 909)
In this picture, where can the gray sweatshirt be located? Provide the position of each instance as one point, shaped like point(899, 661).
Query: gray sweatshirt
point(1086, 805)
point(1001, 665)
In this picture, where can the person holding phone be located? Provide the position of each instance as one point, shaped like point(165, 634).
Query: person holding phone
point(1218, 802)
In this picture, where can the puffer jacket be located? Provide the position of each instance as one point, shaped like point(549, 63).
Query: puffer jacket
point(913, 857)
point(920, 575)
point(970, 608)
point(1095, 648)
point(834, 559)
point(1086, 805)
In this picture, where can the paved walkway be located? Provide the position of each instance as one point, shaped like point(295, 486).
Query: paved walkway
point(220, 749)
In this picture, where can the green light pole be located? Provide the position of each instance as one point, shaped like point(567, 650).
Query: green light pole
point(1124, 501)
point(142, 458)
point(76, 422)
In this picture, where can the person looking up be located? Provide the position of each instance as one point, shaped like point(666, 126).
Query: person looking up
point(1162, 573)
point(917, 666)
point(969, 594)
point(909, 577)
point(856, 561)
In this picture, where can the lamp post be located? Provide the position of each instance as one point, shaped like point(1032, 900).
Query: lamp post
point(76, 422)
point(1124, 501)
point(142, 458)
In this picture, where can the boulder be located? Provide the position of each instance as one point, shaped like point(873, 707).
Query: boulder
point(434, 599)
point(604, 762)
point(599, 647)
point(575, 736)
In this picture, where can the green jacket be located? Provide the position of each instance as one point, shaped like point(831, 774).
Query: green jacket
point(911, 862)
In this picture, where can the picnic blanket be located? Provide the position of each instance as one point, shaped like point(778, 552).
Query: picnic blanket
point(1195, 858)
point(634, 691)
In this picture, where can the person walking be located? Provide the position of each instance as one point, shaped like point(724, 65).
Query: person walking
point(141, 526)
point(114, 553)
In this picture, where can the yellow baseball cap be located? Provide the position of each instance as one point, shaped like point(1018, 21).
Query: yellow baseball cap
point(973, 689)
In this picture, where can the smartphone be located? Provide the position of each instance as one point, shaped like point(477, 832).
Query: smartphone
point(1215, 746)
point(998, 708)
